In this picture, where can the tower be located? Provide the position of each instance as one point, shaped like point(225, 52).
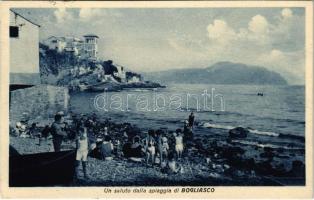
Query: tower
point(90, 47)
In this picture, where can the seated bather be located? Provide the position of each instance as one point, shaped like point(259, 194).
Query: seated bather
point(133, 150)
point(106, 148)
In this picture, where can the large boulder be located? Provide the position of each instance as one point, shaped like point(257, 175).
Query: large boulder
point(268, 153)
point(238, 132)
point(146, 84)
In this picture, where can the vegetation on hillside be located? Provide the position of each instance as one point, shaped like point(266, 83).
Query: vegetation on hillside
point(53, 62)
point(109, 68)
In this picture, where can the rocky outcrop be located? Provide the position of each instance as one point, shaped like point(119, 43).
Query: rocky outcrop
point(146, 84)
point(115, 87)
point(106, 86)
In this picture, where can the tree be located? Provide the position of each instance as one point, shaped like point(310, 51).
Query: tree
point(109, 68)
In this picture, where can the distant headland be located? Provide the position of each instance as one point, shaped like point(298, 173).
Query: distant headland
point(220, 73)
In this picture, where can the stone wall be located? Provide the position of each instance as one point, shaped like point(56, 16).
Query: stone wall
point(38, 102)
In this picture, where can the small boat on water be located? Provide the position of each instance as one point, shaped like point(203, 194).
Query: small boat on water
point(42, 169)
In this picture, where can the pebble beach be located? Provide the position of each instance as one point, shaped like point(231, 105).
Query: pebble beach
point(206, 161)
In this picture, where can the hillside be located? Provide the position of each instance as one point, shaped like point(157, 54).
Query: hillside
point(220, 73)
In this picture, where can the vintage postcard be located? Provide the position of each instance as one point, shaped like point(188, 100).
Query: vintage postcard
point(157, 99)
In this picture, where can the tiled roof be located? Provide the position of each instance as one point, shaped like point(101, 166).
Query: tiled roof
point(91, 35)
point(24, 18)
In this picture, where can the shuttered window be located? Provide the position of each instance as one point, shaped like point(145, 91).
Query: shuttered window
point(14, 31)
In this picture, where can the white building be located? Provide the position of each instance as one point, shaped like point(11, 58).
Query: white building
point(91, 47)
point(79, 46)
point(121, 73)
point(56, 43)
point(24, 51)
point(27, 97)
point(86, 48)
point(134, 79)
point(74, 45)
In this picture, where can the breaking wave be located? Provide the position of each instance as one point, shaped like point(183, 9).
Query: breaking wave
point(253, 131)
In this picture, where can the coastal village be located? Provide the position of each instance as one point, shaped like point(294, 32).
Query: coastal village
point(121, 153)
point(88, 71)
point(87, 49)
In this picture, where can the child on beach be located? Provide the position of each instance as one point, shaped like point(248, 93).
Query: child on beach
point(165, 147)
point(82, 151)
point(57, 132)
point(117, 149)
point(106, 131)
point(33, 132)
point(173, 167)
point(179, 143)
point(21, 130)
point(150, 147)
point(158, 140)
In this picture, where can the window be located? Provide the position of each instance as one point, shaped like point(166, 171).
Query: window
point(14, 31)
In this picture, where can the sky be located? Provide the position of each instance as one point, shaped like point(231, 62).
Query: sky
point(156, 39)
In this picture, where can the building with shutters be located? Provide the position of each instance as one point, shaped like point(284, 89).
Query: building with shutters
point(86, 48)
point(91, 47)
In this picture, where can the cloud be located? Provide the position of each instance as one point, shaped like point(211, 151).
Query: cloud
point(256, 32)
point(84, 14)
point(62, 15)
point(94, 13)
point(220, 31)
point(275, 45)
point(258, 25)
point(89, 13)
point(276, 54)
point(286, 13)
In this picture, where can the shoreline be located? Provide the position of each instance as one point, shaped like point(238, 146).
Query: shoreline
point(111, 86)
point(211, 160)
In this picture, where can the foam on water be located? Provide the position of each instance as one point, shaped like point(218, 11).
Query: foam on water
point(264, 133)
point(209, 125)
point(251, 143)
point(227, 127)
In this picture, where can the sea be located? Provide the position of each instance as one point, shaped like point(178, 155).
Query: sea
point(274, 115)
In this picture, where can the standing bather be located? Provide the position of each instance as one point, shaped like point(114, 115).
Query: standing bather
point(57, 132)
point(191, 120)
